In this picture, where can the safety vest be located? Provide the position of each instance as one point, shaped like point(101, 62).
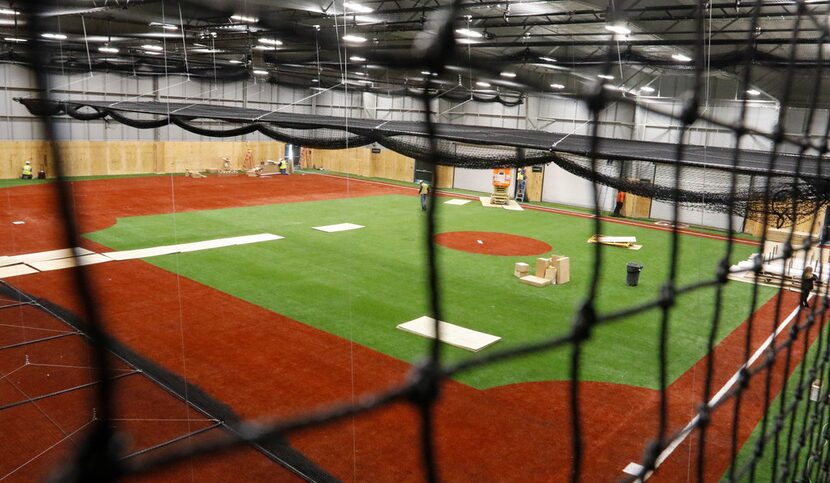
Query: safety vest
point(621, 197)
point(521, 175)
point(424, 189)
point(282, 164)
point(27, 170)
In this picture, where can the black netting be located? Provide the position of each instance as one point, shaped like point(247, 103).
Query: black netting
point(779, 190)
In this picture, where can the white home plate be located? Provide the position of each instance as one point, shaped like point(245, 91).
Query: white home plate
point(456, 201)
point(452, 334)
point(339, 227)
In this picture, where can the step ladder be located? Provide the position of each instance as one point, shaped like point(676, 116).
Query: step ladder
point(520, 190)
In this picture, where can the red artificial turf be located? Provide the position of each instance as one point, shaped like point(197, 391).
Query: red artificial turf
point(491, 243)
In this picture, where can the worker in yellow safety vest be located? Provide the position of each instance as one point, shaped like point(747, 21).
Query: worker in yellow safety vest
point(423, 190)
point(283, 167)
point(520, 184)
point(27, 171)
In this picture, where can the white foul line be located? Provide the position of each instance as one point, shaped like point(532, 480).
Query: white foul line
point(716, 399)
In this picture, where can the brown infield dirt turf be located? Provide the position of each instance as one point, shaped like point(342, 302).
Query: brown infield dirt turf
point(491, 243)
point(264, 365)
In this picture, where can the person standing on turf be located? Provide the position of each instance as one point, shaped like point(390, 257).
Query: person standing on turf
point(283, 166)
point(620, 200)
point(807, 282)
point(423, 190)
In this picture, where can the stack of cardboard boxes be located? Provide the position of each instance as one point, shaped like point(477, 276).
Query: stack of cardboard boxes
point(553, 270)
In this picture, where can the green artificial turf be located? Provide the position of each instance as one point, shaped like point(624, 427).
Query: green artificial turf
point(361, 284)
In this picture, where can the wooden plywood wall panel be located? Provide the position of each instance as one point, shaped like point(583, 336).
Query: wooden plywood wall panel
point(636, 206)
point(535, 182)
point(391, 165)
point(756, 228)
point(445, 175)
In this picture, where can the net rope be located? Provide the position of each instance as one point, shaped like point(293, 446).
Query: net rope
point(801, 453)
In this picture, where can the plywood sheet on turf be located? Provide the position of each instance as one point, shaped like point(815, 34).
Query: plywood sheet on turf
point(455, 335)
point(513, 206)
point(456, 201)
point(338, 227)
point(52, 254)
point(64, 263)
point(227, 242)
point(142, 253)
point(16, 270)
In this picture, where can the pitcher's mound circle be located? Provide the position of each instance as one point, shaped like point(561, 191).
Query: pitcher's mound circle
point(490, 243)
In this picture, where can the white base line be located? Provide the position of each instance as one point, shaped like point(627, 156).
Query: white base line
point(722, 392)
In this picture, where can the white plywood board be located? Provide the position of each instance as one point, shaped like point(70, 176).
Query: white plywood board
point(52, 254)
point(456, 201)
point(455, 335)
point(142, 253)
point(617, 239)
point(513, 206)
point(227, 242)
point(16, 270)
point(63, 263)
point(6, 261)
point(191, 247)
point(338, 227)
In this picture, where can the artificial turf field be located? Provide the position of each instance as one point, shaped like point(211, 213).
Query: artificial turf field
point(360, 284)
point(275, 328)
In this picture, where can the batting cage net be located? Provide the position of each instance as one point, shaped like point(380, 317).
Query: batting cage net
point(760, 406)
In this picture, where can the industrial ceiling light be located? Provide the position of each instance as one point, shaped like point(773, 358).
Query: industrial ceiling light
point(618, 29)
point(165, 26)
point(260, 72)
point(469, 33)
point(466, 41)
point(753, 92)
point(354, 38)
point(557, 86)
point(605, 76)
point(234, 61)
point(356, 7)
point(108, 49)
point(244, 18)
point(483, 84)
point(270, 41)
point(647, 89)
point(151, 47)
point(150, 52)
point(357, 58)
point(8, 11)
point(681, 58)
point(509, 75)
point(53, 36)
point(15, 39)
point(547, 59)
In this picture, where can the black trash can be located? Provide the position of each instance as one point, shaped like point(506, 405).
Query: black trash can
point(633, 276)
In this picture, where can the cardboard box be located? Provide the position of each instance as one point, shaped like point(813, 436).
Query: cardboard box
point(535, 281)
point(542, 264)
point(563, 270)
point(521, 270)
point(550, 274)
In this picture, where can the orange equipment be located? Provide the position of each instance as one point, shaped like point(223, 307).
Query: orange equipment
point(502, 177)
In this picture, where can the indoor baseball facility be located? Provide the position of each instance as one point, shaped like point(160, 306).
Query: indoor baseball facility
point(414, 240)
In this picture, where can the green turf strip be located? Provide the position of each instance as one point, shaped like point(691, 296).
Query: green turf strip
point(15, 182)
point(360, 284)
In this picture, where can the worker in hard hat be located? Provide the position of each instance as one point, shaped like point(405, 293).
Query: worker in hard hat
point(27, 171)
point(283, 167)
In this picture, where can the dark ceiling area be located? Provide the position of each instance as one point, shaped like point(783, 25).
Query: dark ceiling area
point(561, 45)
